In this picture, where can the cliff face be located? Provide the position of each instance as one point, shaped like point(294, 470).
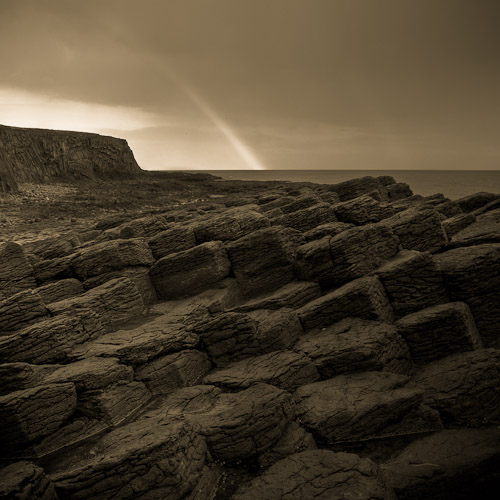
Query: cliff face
point(37, 155)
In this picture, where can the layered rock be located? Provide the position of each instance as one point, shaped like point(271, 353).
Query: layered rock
point(412, 281)
point(262, 260)
point(173, 240)
point(319, 474)
point(190, 271)
point(438, 331)
point(356, 345)
point(451, 464)
point(455, 224)
point(362, 298)
point(464, 387)
point(53, 247)
point(472, 275)
point(26, 481)
point(60, 290)
point(16, 273)
point(19, 376)
point(20, 310)
point(307, 218)
point(485, 229)
point(362, 210)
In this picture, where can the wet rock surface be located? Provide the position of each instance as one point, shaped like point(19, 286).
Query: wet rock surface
point(237, 347)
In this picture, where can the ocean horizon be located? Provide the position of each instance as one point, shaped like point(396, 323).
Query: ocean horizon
point(452, 183)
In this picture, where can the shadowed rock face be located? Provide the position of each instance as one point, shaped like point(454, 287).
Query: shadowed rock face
point(34, 155)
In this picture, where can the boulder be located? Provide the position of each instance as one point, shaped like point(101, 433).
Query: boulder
point(475, 201)
point(59, 290)
point(91, 373)
point(319, 474)
point(300, 202)
point(307, 218)
point(114, 403)
point(19, 376)
point(237, 426)
point(51, 340)
point(485, 229)
point(163, 375)
point(346, 256)
point(472, 275)
point(329, 197)
point(26, 481)
point(20, 310)
point(152, 458)
point(230, 225)
point(362, 210)
point(329, 229)
point(136, 346)
point(284, 369)
point(30, 414)
point(16, 273)
point(116, 301)
point(292, 295)
point(49, 270)
point(262, 261)
point(412, 281)
point(190, 271)
point(448, 208)
point(362, 298)
point(464, 387)
point(142, 227)
point(173, 240)
point(455, 224)
point(354, 345)
point(448, 465)
point(386, 180)
point(438, 331)
point(418, 229)
point(109, 256)
point(293, 440)
point(356, 406)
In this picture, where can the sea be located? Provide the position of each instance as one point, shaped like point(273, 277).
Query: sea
point(452, 183)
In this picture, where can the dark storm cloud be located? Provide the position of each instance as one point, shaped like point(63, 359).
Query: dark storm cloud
point(421, 72)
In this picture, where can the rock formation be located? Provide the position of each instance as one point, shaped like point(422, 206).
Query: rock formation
point(336, 341)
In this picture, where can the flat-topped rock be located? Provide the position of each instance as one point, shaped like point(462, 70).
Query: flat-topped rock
point(451, 464)
point(30, 414)
point(138, 345)
point(329, 229)
point(472, 275)
point(439, 331)
point(412, 281)
point(147, 226)
point(60, 290)
point(353, 188)
point(292, 295)
point(362, 210)
point(319, 474)
point(110, 256)
point(51, 340)
point(418, 229)
point(356, 406)
point(161, 457)
point(115, 301)
point(20, 310)
point(167, 373)
point(91, 373)
point(173, 240)
point(52, 247)
point(26, 481)
point(354, 345)
point(48, 270)
point(362, 298)
point(284, 369)
point(19, 376)
point(464, 387)
point(485, 229)
point(262, 261)
point(16, 273)
point(190, 271)
point(455, 224)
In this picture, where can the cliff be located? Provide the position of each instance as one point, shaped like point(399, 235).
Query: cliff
point(37, 155)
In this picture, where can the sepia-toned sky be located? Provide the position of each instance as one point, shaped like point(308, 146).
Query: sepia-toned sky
point(276, 84)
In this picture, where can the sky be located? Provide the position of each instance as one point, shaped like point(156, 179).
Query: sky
point(262, 84)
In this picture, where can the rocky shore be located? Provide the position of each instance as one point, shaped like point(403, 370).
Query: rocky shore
point(281, 342)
